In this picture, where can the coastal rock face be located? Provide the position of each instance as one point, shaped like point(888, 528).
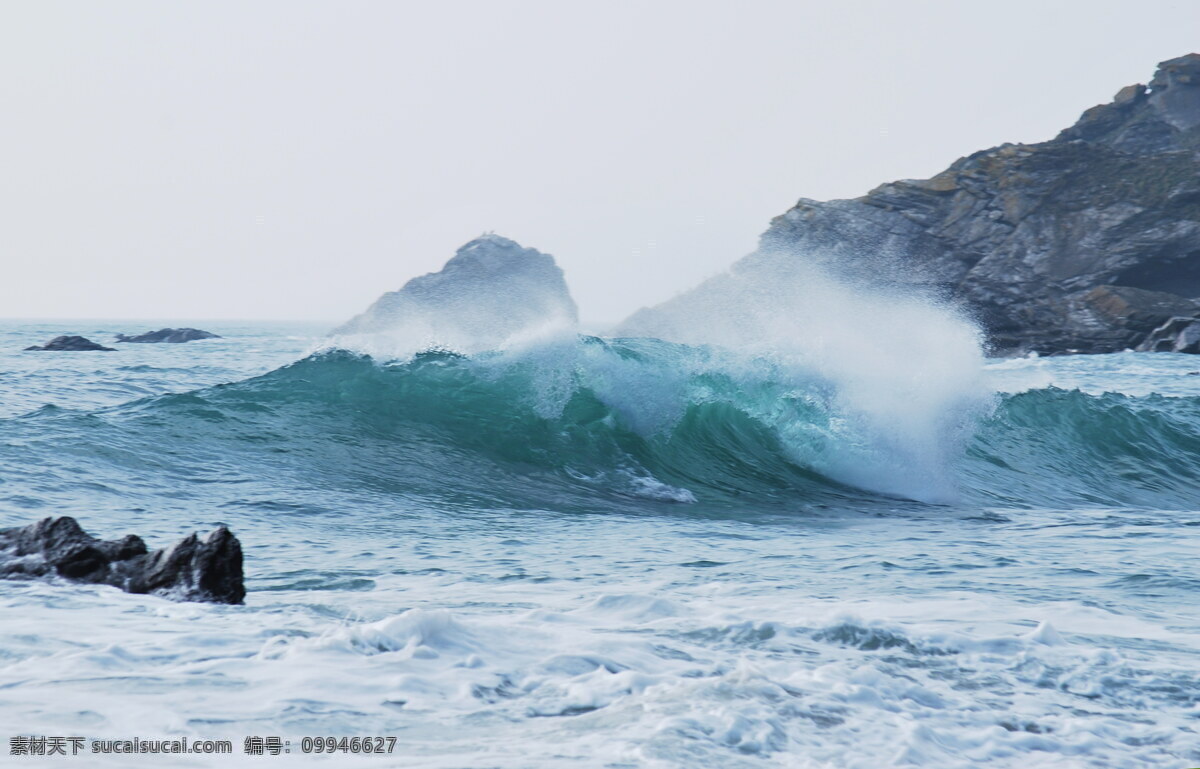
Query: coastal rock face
point(491, 290)
point(168, 335)
point(70, 344)
point(1086, 243)
point(193, 569)
point(1176, 335)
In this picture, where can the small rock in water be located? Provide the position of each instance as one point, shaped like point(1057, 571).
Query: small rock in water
point(169, 335)
point(70, 344)
point(193, 569)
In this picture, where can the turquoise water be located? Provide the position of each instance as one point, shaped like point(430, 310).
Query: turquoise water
point(599, 552)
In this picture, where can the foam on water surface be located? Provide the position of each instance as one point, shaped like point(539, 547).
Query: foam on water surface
point(623, 652)
point(605, 553)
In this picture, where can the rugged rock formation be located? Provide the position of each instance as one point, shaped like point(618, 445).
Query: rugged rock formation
point(490, 291)
point(193, 569)
point(1083, 243)
point(169, 335)
point(70, 344)
point(1176, 335)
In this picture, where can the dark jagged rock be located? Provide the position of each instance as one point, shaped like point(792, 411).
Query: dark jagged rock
point(70, 344)
point(193, 569)
point(1083, 243)
point(168, 335)
point(490, 290)
point(1176, 335)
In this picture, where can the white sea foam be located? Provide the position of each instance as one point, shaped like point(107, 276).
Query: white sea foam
point(716, 675)
point(1135, 374)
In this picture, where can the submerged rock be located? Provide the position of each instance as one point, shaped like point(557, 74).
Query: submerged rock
point(169, 335)
point(1084, 243)
point(70, 344)
point(492, 290)
point(193, 569)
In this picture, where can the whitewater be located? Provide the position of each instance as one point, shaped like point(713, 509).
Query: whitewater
point(636, 549)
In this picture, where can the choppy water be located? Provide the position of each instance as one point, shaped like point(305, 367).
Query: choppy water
point(607, 553)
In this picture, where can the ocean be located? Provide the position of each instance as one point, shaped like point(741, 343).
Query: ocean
point(596, 552)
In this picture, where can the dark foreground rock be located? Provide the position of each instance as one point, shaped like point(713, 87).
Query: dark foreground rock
point(1084, 243)
point(70, 344)
point(193, 569)
point(169, 336)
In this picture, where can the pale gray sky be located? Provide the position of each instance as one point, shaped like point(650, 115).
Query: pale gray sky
point(296, 159)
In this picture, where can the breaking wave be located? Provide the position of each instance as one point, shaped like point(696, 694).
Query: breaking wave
point(619, 424)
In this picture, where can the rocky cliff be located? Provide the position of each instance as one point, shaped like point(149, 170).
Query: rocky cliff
point(1085, 243)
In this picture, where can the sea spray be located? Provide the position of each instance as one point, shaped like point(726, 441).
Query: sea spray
point(875, 386)
point(898, 371)
point(491, 294)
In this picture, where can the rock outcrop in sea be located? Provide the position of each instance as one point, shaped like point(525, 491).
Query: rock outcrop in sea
point(168, 335)
point(70, 344)
point(1084, 243)
point(193, 569)
point(490, 291)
